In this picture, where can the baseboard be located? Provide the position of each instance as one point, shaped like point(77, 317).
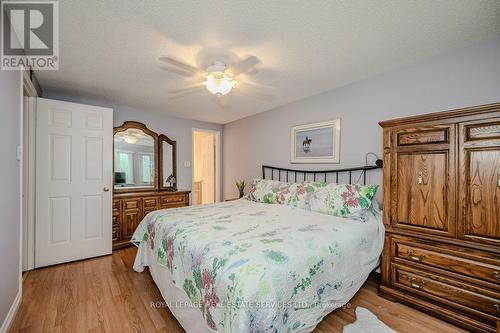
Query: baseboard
point(12, 313)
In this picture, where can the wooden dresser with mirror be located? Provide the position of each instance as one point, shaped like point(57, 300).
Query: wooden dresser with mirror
point(442, 215)
point(144, 178)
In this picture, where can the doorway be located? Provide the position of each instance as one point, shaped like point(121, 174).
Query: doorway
point(206, 170)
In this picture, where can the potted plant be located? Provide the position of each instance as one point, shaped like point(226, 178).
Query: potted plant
point(241, 187)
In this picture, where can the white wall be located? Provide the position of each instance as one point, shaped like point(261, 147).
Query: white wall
point(460, 78)
point(175, 128)
point(10, 113)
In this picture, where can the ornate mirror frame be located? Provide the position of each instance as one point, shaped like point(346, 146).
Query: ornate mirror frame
point(163, 138)
point(135, 124)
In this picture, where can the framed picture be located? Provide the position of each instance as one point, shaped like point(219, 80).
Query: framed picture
point(316, 143)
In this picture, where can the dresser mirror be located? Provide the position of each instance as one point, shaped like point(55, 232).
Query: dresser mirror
point(145, 179)
point(167, 155)
point(135, 158)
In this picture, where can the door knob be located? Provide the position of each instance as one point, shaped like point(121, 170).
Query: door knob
point(105, 189)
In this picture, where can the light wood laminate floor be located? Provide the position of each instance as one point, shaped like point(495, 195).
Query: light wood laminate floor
point(106, 295)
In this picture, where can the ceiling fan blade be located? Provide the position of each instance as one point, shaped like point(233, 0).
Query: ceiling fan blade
point(195, 86)
point(244, 66)
point(252, 90)
point(180, 64)
point(223, 101)
point(177, 71)
point(186, 92)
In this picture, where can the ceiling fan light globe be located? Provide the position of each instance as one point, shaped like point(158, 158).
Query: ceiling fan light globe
point(130, 139)
point(219, 83)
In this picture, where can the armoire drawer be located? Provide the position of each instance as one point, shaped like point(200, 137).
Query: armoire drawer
point(482, 130)
point(172, 200)
point(411, 250)
point(419, 136)
point(460, 295)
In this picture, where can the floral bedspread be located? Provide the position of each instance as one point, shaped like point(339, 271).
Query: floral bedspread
point(255, 267)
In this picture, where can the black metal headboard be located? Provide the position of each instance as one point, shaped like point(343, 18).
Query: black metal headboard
point(284, 174)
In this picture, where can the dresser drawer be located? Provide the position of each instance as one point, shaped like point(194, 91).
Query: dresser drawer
point(116, 220)
point(463, 296)
point(116, 206)
point(131, 204)
point(150, 202)
point(172, 200)
point(115, 234)
point(411, 250)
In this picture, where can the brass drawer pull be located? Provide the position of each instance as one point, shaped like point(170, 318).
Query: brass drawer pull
point(497, 307)
point(496, 275)
point(417, 286)
point(174, 200)
point(414, 284)
point(413, 257)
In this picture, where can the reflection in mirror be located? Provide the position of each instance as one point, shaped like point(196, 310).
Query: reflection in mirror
point(134, 159)
point(168, 169)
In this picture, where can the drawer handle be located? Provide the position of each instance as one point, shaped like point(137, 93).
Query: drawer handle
point(416, 285)
point(496, 275)
point(413, 257)
point(497, 307)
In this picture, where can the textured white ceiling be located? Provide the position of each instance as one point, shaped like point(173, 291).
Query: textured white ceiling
point(109, 49)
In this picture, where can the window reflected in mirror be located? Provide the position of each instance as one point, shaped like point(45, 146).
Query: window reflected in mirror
point(168, 176)
point(134, 159)
point(167, 161)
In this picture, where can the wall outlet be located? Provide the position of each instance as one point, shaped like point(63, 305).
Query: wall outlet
point(187, 164)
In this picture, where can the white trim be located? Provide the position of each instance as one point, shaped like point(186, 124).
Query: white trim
point(335, 123)
point(28, 84)
point(218, 160)
point(12, 313)
point(21, 180)
point(28, 245)
point(31, 184)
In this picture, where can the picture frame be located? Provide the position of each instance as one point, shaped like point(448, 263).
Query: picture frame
point(316, 142)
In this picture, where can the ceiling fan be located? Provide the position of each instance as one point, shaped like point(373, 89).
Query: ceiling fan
point(219, 80)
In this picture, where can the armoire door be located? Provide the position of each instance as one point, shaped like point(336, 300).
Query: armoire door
point(480, 181)
point(424, 196)
point(74, 153)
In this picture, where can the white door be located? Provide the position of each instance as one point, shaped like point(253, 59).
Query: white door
point(74, 155)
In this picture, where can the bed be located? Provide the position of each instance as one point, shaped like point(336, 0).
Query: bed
point(244, 266)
